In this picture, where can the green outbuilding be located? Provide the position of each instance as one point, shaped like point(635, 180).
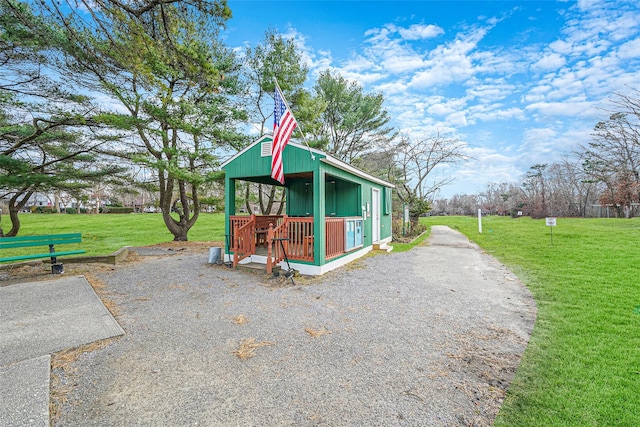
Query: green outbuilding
point(335, 213)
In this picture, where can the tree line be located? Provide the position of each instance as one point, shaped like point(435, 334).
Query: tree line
point(105, 95)
point(600, 177)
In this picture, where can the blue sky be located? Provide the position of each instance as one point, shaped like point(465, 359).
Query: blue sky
point(519, 82)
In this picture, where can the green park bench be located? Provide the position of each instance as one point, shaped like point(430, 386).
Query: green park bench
point(45, 240)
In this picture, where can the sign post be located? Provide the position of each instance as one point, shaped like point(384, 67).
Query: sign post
point(551, 222)
point(479, 221)
point(405, 219)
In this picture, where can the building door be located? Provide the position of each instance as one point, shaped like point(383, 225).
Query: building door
point(375, 214)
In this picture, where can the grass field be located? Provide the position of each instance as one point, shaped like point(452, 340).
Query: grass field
point(582, 365)
point(104, 234)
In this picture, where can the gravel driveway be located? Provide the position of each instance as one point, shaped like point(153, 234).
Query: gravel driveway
point(427, 337)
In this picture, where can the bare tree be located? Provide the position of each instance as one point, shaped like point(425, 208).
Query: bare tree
point(534, 186)
point(419, 162)
point(613, 156)
point(501, 198)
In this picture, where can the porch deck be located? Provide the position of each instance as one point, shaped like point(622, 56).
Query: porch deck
point(255, 234)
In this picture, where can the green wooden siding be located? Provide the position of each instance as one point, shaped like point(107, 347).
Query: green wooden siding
point(330, 206)
point(354, 192)
point(300, 197)
point(251, 164)
point(348, 198)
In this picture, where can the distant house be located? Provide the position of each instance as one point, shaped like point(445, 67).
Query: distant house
point(335, 213)
point(36, 200)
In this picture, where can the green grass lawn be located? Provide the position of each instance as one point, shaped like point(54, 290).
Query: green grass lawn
point(582, 365)
point(104, 234)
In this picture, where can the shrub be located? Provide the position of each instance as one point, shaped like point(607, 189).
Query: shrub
point(41, 209)
point(116, 210)
point(411, 231)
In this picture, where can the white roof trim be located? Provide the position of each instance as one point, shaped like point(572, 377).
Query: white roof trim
point(304, 147)
point(245, 149)
point(347, 167)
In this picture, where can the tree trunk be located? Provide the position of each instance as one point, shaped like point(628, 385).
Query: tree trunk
point(167, 184)
point(56, 202)
point(272, 194)
point(282, 200)
point(247, 193)
point(178, 228)
point(14, 209)
point(186, 218)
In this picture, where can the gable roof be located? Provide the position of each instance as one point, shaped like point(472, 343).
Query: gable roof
point(322, 156)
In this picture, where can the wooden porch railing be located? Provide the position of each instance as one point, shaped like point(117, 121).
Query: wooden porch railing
point(234, 223)
point(334, 232)
point(243, 238)
point(300, 238)
point(247, 231)
point(275, 254)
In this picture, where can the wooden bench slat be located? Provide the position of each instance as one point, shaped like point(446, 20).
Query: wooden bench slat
point(26, 244)
point(41, 237)
point(47, 255)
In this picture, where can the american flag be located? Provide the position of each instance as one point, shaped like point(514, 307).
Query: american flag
point(283, 125)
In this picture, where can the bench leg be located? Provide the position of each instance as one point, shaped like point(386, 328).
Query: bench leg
point(56, 267)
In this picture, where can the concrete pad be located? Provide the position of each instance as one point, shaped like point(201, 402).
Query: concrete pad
point(24, 400)
point(45, 317)
point(441, 235)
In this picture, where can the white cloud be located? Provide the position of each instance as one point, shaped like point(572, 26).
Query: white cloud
point(480, 114)
point(499, 62)
point(391, 88)
point(490, 91)
point(362, 78)
point(487, 166)
point(400, 64)
point(549, 62)
point(561, 109)
point(561, 47)
point(630, 49)
point(440, 110)
point(456, 119)
point(420, 32)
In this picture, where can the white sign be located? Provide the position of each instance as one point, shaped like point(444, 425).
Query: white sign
point(551, 222)
point(406, 214)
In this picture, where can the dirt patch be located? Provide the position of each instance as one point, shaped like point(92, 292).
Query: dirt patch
point(248, 348)
point(41, 270)
point(192, 246)
point(62, 382)
point(315, 333)
point(240, 319)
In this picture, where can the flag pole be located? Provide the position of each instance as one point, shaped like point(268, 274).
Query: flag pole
point(304, 138)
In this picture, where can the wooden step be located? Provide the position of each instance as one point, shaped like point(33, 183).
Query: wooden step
point(382, 246)
point(257, 267)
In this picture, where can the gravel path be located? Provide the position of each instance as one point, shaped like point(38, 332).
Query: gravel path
point(428, 337)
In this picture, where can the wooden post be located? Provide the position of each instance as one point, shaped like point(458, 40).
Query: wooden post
point(253, 234)
point(270, 249)
point(233, 244)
